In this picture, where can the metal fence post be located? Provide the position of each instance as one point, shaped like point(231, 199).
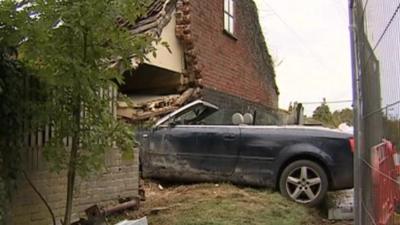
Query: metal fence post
point(357, 119)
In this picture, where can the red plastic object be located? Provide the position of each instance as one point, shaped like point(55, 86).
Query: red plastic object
point(386, 189)
point(352, 144)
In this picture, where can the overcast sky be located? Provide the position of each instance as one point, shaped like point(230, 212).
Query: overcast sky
point(309, 42)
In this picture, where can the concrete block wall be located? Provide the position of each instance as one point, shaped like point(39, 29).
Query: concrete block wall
point(119, 179)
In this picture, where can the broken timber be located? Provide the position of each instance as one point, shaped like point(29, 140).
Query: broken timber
point(137, 109)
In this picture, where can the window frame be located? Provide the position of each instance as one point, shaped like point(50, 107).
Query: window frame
point(229, 17)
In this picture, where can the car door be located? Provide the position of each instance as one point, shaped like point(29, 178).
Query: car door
point(162, 156)
point(216, 150)
point(259, 147)
point(194, 152)
point(187, 151)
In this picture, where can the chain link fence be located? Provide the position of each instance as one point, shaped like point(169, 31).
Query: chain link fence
point(375, 29)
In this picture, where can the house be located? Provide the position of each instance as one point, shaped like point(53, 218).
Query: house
point(216, 52)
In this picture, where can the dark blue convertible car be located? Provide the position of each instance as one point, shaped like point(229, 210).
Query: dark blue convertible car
point(302, 162)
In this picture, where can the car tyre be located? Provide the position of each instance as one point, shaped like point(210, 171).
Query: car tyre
point(305, 182)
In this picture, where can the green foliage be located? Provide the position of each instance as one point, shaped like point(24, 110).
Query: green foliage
point(323, 114)
point(11, 22)
point(79, 52)
point(343, 116)
point(4, 200)
point(71, 46)
point(11, 124)
point(15, 106)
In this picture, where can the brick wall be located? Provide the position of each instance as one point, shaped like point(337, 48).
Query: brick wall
point(119, 179)
point(239, 65)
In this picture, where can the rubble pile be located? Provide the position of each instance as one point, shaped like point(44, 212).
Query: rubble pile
point(133, 109)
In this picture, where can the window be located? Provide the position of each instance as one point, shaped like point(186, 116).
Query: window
point(229, 16)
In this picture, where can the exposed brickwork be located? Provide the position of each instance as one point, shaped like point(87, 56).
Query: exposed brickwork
point(184, 33)
point(239, 66)
point(118, 180)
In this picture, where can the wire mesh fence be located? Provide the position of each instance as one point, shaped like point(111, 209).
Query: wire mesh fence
point(376, 45)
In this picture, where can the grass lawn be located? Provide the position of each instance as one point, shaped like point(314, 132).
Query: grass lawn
point(222, 204)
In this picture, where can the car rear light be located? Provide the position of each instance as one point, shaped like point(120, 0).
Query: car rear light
point(352, 144)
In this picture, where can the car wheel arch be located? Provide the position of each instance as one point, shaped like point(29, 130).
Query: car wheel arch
point(307, 156)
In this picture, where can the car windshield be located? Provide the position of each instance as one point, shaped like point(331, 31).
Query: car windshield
point(192, 116)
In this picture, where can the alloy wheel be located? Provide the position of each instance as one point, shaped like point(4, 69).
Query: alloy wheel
point(303, 184)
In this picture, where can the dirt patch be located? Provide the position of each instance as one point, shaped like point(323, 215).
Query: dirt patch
point(221, 204)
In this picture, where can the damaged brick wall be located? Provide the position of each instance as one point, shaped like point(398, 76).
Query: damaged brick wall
point(118, 180)
point(238, 64)
point(215, 62)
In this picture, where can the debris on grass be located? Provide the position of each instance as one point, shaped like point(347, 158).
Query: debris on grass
point(223, 204)
point(142, 221)
point(342, 207)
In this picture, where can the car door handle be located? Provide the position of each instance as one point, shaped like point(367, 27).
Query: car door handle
point(229, 137)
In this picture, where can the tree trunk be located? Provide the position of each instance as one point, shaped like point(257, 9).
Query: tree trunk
point(70, 186)
point(72, 164)
point(76, 116)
